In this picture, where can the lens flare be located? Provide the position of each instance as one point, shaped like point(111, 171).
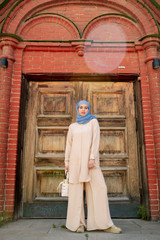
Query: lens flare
point(104, 56)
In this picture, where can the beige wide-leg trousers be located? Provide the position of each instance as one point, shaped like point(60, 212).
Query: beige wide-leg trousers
point(98, 214)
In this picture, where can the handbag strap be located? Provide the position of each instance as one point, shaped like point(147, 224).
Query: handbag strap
point(59, 187)
point(60, 184)
point(67, 175)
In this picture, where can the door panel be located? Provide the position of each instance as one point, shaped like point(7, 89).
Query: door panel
point(113, 104)
point(51, 109)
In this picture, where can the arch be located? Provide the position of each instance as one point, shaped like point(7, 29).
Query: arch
point(48, 26)
point(9, 13)
point(103, 29)
point(133, 8)
point(150, 12)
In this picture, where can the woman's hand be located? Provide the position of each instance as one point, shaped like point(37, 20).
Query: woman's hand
point(91, 163)
point(66, 169)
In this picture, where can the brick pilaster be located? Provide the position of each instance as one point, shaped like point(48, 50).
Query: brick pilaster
point(151, 49)
point(7, 45)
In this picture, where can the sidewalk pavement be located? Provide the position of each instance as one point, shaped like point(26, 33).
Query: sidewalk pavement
point(42, 229)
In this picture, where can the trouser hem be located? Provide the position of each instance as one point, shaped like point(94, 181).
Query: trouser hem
point(99, 229)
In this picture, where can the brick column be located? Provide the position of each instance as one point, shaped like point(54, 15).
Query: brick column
point(151, 49)
point(7, 45)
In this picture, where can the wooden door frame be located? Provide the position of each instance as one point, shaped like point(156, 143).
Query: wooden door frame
point(144, 199)
point(21, 130)
point(144, 194)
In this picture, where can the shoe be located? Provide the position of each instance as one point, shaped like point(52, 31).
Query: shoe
point(113, 229)
point(80, 229)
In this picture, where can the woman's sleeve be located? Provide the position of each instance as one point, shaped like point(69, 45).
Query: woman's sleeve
point(94, 154)
point(68, 147)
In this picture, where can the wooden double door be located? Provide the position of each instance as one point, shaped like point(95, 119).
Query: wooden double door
point(51, 108)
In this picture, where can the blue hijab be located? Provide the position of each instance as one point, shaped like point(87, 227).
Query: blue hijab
point(84, 119)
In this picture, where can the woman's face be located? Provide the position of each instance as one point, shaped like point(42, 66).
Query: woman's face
point(83, 109)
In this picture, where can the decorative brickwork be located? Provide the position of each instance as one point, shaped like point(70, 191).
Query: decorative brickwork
point(57, 27)
point(8, 168)
point(64, 37)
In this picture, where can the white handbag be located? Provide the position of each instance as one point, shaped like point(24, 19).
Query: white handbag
point(63, 187)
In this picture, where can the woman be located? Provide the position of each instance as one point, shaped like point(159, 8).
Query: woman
point(82, 163)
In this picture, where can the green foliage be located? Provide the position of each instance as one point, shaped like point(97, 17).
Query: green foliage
point(54, 226)
point(63, 226)
point(6, 217)
point(2, 221)
point(86, 235)
point(142, 212)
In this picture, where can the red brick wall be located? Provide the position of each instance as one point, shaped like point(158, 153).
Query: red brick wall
point(80, 13)
point(7, 144)
point(70, 57)
point(13, 133)
point(153, 165)
point(151, 161)
point(49, 61)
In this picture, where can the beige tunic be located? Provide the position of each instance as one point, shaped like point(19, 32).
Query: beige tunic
point(82, 144)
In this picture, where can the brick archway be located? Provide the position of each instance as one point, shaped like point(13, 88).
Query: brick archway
point(130, 27)
point(48, 27)
point(25, 9)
